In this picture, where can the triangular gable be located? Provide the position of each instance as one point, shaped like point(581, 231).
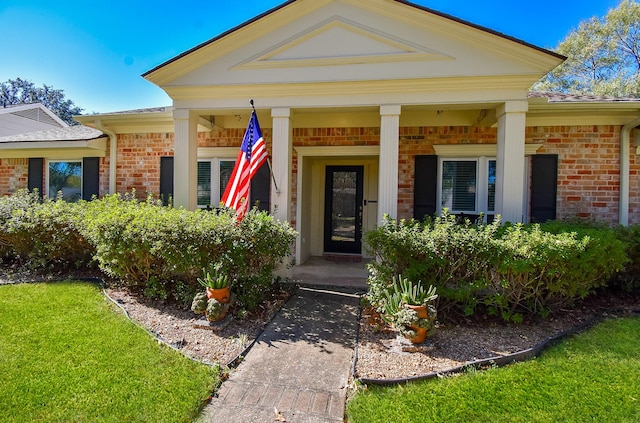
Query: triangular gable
point(21, 118)
point(358, 44)
point(351, 41)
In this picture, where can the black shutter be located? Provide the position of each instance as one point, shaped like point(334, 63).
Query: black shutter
point(544, 187)
point(261, 188)
point(425, 187)
point(35, 177)
point(166, 179)
point(90, 177)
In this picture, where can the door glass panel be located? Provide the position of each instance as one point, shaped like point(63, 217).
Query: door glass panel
point(344, 207)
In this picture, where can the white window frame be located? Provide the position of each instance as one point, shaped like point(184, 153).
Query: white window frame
point(216, 192)
point(47, 178)
point(482, 184)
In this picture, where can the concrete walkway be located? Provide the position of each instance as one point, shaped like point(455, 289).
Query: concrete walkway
point(299, 366)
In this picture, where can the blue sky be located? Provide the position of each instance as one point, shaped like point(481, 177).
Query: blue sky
point(96, 50)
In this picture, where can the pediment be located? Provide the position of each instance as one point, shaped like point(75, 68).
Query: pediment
point(339, 41)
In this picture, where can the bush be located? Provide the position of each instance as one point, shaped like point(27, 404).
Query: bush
point(511, 270)
point(42, 233)
point(163, 249)
point(628, 280)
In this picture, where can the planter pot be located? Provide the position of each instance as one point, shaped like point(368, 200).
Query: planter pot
point(221, 294)
point(421, 335)
point(421, 310)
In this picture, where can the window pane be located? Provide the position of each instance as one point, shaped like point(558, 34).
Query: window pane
point(65, 177)
point(204, 183)
point(459, 185)
point(491, 203)
point(226, 168)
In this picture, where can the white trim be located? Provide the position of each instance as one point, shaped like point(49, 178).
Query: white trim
point(482, 187)
point(479, 150)
point(218, 152)
point(373, 150)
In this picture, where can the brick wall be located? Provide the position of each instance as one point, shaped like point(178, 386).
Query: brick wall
point(13, 175)
point(588, 170)
point(138, 162)
point(420, 140)
point(588, 181)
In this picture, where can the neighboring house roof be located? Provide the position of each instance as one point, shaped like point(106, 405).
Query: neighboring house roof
point(69, 142)
point(20, 118)
point(71, 133)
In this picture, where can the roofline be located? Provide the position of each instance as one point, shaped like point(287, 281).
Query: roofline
point(37, 105)
point(218, 37)
point(404, 2)
point(482, 28)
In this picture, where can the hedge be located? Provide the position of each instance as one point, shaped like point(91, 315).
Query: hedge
point(162, 250)
point(509, 270)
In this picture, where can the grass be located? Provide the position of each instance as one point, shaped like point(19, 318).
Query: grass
point(592, 377)
point(67, 356)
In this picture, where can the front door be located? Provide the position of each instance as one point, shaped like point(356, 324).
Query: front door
point(343, 209)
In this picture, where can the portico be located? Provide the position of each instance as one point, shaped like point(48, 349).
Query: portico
point(372, 70)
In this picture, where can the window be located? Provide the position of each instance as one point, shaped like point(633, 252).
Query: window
point(213, 176)
point(65, 177)
point(468, 186)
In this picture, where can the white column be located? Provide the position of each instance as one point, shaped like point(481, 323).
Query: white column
point(185, 159)
point(388, 162)
point(510, 160)
point(281, 163)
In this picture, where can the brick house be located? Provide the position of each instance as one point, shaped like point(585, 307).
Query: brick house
point(368, 107)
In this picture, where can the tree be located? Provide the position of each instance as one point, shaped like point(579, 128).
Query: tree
point(20, 91)
point(603, 56)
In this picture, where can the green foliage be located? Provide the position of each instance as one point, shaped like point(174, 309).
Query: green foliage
point(214, 278)
point(199, 304)
point(511, 271)
point(414, 294)
point(603, 56)
point(142, 241)
point(628, 280)
point(42, 233)
point(215, 309)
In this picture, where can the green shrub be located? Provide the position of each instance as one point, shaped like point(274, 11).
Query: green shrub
point(163, 250)
point(628, 280)
point(511, 270)
point(42, 233)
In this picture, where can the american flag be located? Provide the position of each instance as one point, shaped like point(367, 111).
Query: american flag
point(252, 155)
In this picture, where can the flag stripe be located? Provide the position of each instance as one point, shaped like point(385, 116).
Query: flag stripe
point(252, 155)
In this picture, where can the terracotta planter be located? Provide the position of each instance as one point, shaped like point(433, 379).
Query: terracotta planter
point(421, 333)
point(221, 294)
point(421, 310)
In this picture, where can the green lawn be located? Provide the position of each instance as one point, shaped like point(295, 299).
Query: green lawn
point(592, 377)
point(67, 356)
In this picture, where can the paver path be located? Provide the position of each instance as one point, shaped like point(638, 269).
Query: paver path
point(300, 365)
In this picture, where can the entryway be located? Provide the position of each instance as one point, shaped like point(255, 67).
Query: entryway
point(343, 206)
